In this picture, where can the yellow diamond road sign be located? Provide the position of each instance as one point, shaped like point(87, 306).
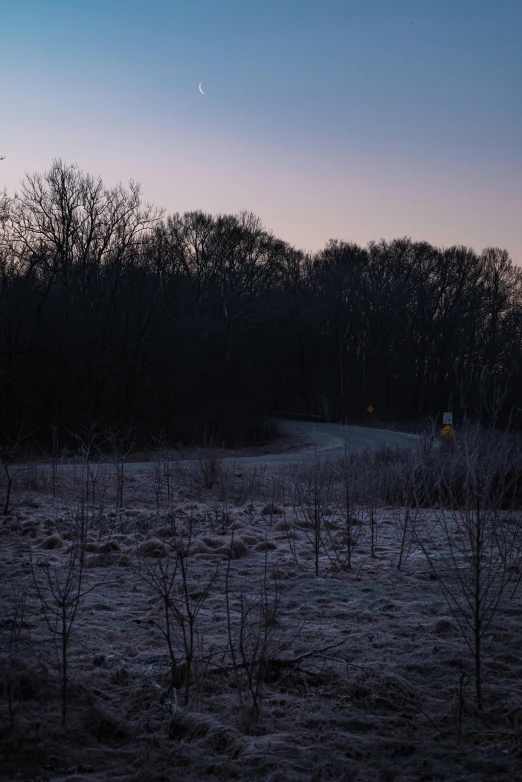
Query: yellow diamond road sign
point(370, 409)
point(446, 431)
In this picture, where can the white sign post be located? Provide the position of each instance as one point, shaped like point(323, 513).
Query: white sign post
point(447, 418)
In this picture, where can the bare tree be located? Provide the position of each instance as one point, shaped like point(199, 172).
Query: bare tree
point(161, 576)
point(312, 498)
point(347, 506)
point(61, 595)
point(12, 461)
point(164, 470)
point(169, 577)
point(121, 444)
point(472, 533)
point(89, 441)
point(405, 517)
point(254, 636)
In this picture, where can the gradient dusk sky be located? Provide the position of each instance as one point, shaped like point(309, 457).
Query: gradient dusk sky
point(350, 119)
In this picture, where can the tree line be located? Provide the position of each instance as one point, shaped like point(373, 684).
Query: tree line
point(115, 314)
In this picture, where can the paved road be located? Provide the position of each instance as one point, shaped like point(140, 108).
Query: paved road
point(324, 439)
point(329, 440)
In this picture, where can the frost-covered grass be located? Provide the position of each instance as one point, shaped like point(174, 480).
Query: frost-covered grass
point(361, 672)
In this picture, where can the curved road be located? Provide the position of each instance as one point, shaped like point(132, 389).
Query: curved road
point(328, 440)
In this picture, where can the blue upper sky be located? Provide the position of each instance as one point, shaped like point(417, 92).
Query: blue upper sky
point(349, 118)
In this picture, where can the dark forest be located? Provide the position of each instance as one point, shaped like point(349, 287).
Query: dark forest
point(114, 314)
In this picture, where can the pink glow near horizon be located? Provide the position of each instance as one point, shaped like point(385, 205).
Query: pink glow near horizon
point(304, 197)
point(355, 121)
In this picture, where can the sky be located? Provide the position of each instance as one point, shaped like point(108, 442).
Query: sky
point(347, 119)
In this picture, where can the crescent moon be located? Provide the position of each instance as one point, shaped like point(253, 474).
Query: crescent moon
point(199, 88)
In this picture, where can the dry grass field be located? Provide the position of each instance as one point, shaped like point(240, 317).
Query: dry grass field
point(250, 624)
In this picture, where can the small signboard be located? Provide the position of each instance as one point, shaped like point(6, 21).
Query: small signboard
point(446, 431)
point(447, 418)
point(370, 409)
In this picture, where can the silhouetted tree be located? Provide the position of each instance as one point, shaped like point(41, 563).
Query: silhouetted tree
point(196, 323)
